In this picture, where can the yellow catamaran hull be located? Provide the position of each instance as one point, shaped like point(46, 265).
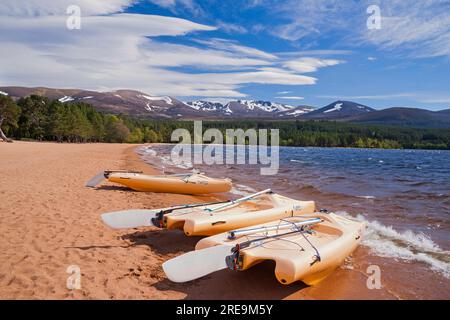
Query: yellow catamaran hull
point(308, 257)
point(198, 222)
point(187, 184)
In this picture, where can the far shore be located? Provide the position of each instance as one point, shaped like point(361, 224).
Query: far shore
point(224, 144)
point(49, 221)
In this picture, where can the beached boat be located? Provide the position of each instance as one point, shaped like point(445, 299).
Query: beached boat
point(304, 248)
point(189, 183)
point(213, 218)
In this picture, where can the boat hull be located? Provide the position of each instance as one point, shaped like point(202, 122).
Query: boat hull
point(195, 184)
point(202, 223)
point(295, 259)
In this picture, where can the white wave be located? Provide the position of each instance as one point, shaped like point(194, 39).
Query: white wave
point(185, 165)
point(166, 161)
point(366, 197)
point(146, 151)
point(149, 151)
point(140, 150)
point(152, 153)
point(385, 241)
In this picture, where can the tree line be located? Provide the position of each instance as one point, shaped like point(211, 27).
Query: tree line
point(38, 118)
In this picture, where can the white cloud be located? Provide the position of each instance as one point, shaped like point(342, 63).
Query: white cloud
point(421, 28)
point(418, 97)
point(177, 5)
point(254, 3)
point(283, 92)
point(290, 97)
point(257, 28)
point(164, 3)
point(222, 100)
point(434, 97)
point(370, 97)
point(308, 64)
point(416, 28)
point(310, 17)
point(371, 58)
point(315, 53)
point(268, 75)
point(438, 100)
point(232, 46)
point(118, 50)
point(231, 27)
point(174, 55)
point(51, 7)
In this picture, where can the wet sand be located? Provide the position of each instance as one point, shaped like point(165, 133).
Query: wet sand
point(50, 221)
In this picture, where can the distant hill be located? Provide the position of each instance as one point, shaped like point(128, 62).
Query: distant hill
point(446, 111)
point(146, 106)
point(143, 105)
point(407, 117)
point(339, 110)
point(129, 102)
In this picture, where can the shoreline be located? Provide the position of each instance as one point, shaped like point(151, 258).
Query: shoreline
point(50, 221)
point(280, 146)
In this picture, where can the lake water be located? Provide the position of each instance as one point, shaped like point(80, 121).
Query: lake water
point(404, 195)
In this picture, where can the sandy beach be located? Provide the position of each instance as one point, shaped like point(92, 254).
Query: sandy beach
point(50, 221)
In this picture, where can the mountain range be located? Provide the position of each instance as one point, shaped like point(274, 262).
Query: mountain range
point(142, 105)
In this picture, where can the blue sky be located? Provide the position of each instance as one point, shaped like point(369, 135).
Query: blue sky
point(296, 52)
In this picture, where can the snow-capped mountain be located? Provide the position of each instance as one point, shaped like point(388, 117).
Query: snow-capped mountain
point(202, 105)
point(339, 110)
point(253, 108)
point(130, 102)
point(144, 105)
point(147, 106)
point(266, 106)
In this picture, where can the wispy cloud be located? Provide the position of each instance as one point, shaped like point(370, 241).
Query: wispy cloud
point(310, 18)
point(233, 46)
point(33, 8)
point(119, 50)
point(231, 27)
point(176, 5)
point(308, 64)
point(315, 53)
point(437, 100)
point(290, 97)
point(417, 29)
point(420, 98)
point(369, 97)
point(420, 29)
point(434, 98)
point(222, 100)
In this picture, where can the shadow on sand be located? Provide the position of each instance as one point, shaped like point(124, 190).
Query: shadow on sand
point(258, 282)
point(111, 188)
point(163, 241)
